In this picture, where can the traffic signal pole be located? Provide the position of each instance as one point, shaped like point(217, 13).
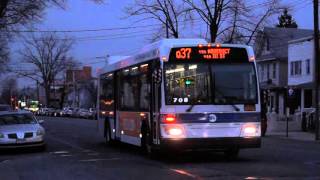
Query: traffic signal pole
point(316, 58)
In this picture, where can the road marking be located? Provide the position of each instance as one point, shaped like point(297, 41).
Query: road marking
point(66, 143)
point(95, 160)
point(4, 161)
point(183, 172)
point(251, 178)
point(65, 155)
point(60, 152)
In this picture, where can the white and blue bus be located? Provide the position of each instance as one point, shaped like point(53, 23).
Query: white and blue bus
point(182, 94)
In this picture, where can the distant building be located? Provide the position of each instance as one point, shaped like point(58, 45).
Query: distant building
point(81, 88)
point(271, 49)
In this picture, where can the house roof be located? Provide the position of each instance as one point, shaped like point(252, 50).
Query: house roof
point(278, 41)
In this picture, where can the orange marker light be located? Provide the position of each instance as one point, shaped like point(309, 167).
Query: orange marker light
point(252, 58)
point(111, 113)
point(218, 45)
point(142, 114)
point(200, 45)
point(164, 58)
point(209, 45)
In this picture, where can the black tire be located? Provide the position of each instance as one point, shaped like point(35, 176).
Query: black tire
point(42, 148)
point(146, 143)
point(107, 134)
point(232, 153)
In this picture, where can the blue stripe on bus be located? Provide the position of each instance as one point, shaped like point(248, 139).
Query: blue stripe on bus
point(220, 117)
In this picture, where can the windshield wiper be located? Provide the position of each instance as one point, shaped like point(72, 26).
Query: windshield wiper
point(190, 108)
point(230, 102)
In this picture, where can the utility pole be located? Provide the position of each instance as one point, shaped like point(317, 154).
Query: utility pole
point(316, 59)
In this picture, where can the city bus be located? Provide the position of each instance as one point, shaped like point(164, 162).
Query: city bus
point(182, 94)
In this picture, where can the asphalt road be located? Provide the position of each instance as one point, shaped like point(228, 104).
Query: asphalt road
point(75, 151)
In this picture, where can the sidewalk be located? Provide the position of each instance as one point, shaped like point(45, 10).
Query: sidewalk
point(297, 135)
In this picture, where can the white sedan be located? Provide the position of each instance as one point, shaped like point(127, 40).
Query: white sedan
point(20, 129)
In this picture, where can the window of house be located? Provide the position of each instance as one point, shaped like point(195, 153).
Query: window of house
point(296, 68)
point(274, 70)
point(268, 44)
point(262, 72)
point(308, 66)
point(268, 71)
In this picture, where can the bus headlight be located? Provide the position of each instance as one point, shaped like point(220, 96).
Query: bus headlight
point(250, 130)
point(173, 131)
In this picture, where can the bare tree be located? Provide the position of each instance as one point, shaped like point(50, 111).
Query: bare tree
point(233, 20)
point(210, 12)
point(14, 14)
point(49, 57)
point(167, 12)
point(9, 90)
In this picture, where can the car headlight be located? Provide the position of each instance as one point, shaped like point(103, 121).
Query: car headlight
point(40, 132)
point(1, 135)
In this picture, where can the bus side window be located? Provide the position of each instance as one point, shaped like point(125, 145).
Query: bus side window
point(144, 92)
point(134, 89)
point(107, 94)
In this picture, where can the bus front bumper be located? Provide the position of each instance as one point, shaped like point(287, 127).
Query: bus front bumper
point(211, 143)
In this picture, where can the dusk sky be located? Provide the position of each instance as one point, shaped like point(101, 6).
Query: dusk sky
point(84, 14)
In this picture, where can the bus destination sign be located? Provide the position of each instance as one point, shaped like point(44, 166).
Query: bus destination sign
point(208, 53)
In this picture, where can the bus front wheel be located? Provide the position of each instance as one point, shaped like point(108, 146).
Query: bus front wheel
point(146, 142)
point(232, 153)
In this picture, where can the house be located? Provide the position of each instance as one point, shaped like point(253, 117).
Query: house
point(271, 48)
point(301, 71)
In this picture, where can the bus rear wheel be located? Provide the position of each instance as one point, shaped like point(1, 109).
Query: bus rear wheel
point(108, 139)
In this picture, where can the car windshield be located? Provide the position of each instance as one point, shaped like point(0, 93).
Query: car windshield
point(12, 119)
point(214, 83)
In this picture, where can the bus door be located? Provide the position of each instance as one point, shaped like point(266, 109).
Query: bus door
point(155, 100)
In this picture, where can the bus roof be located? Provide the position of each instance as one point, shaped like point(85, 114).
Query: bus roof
point(159, 49)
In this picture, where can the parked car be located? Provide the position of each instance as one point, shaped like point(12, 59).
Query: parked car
point(93, 112)
point(85, 113)
point(41, 111)
point(49, 111)
point(67, 111)
point(5, 107)
point(75, 112)
point(20, 129)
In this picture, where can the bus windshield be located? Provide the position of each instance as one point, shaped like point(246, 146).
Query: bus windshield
point(210, 83)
